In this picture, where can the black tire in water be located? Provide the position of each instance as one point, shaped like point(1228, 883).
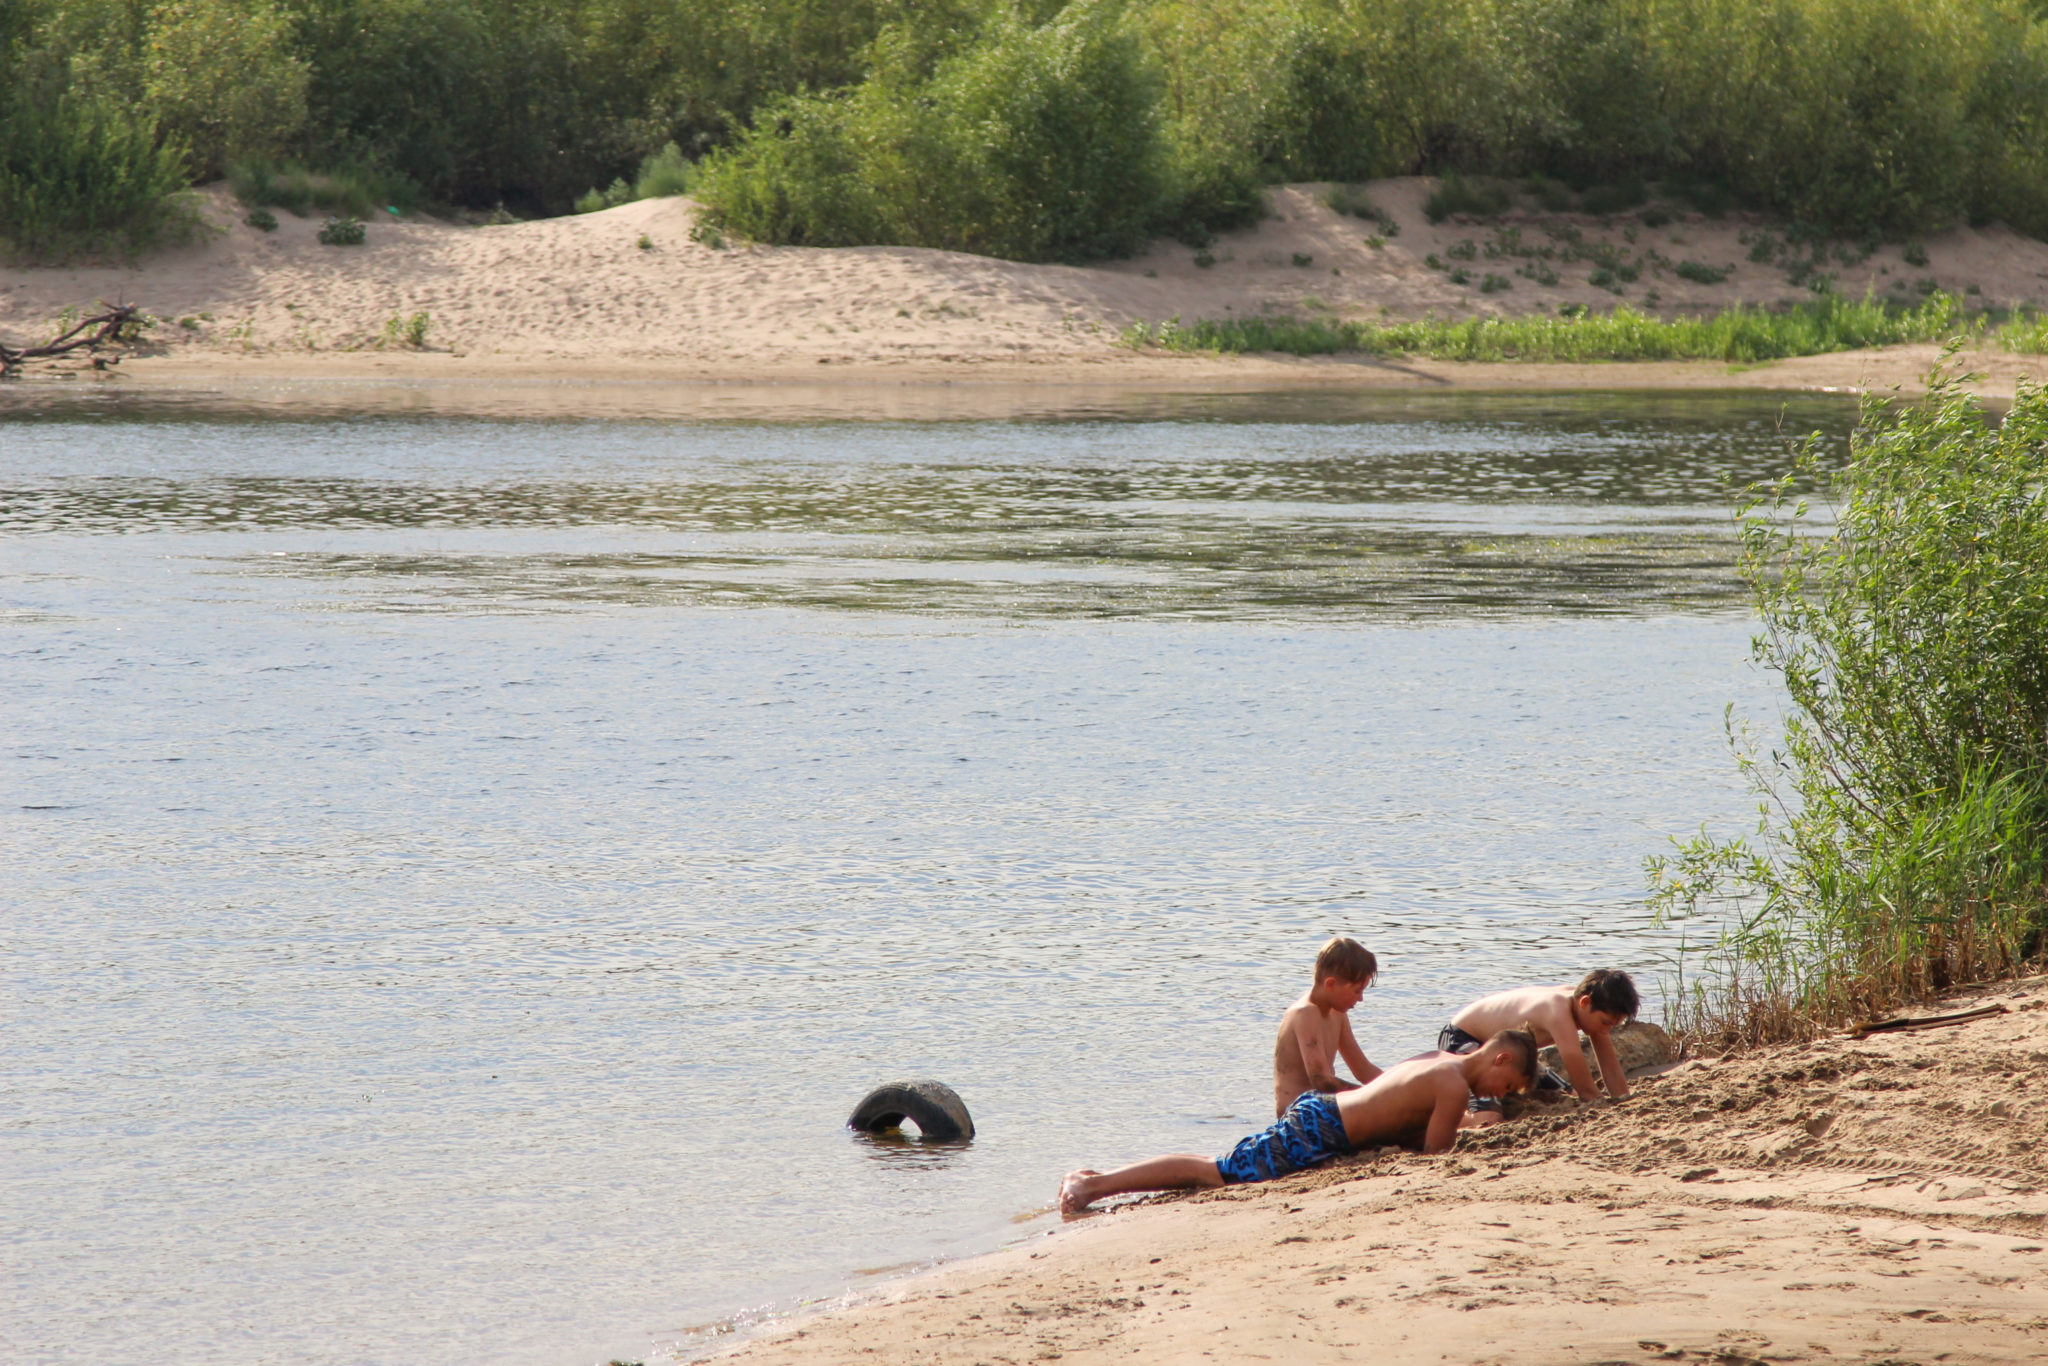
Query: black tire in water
point(931, 1105)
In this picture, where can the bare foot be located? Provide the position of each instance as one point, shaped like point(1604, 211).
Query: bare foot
point(1074, 1196)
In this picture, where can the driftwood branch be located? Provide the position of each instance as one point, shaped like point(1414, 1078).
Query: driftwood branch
point(104, 328)
point(1901, 1026)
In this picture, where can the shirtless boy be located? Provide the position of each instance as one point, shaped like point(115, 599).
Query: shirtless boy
point(1317, 1028)
point(1598, 1005)
point(1426, 1093)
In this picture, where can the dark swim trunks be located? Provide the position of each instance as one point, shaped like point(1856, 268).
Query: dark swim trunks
point(1310, 1132)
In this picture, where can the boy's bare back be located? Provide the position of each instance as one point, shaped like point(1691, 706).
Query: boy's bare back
point(1427, 1092)
point(1547, 1010)
point(1305, 1052)
point(1555, 1015)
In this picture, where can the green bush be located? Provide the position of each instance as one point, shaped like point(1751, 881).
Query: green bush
point(1904, 845)
point(1040, 143)
point(79, 176)
point(342, 232)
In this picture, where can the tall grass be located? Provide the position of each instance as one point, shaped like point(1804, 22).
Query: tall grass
point(1738, 335)
point(1903, 840)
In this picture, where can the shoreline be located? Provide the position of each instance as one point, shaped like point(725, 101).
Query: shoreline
point(520, 386)
point(628, 297)
point(1872, 1200)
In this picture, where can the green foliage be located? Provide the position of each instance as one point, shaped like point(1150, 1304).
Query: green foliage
point(1891, 116)
point(257, 110)
point(342, 232)
point(407, 330)
point(1454, 194)
point(1702, 274)
point(263, 220)
point(1738, 336)
point(1904, 840)
point(2027, 335)
point(353, 191)
point(664, 174)
point(80, 175)
point(1039, 143)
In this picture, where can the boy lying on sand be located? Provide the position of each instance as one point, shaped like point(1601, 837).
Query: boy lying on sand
point(1427, 1093)
point(1317, 1028)
point(1599, 1005)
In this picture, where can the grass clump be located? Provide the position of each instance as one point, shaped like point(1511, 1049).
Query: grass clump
point(409, 331)
point(342, 232)
point(1736, 336)
point(1903, 845)
point(351, 192)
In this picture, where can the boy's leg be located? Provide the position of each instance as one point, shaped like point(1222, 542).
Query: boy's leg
point(1177, 1172)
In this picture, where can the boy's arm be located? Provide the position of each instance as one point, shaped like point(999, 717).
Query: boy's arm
point(1451, 1098)
point(1564, 1031)
point(1354, 1056)
point(1611, 1070)
point(1316, 1064)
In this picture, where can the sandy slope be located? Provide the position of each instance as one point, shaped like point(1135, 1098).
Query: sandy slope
point(627, 294)
point(1874, 1201)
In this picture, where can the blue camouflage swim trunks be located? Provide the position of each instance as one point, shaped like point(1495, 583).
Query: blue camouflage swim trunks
point(1310, 1132)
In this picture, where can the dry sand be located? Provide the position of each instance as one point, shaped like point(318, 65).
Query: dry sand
point(1883, 1200)
point(627, 297)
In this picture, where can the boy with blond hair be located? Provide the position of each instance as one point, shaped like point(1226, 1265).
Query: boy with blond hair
point(1428, 1093)
point(1317, 1028)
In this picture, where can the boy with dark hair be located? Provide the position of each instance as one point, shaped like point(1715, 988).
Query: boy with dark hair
point(1317, 1027)
point(1428, 1093)
point(1598, 1005)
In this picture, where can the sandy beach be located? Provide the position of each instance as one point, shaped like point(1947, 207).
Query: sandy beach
point(629, 297)
point(1873, 1200)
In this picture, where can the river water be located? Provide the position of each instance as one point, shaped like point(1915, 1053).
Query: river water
point(462, 871)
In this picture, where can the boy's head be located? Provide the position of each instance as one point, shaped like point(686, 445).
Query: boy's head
point(1353, 967)
point(1607, 992)
point(1348, 961)
point(1507, 1063)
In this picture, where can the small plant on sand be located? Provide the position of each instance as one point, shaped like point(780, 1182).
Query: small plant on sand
point(1903, 842)
point(1303, 259)
point(645, 243)
point(408, 331)
point(706, 233)
point(263, 220)
point(1915, 254)
point(342, 232)
point(1702, 274)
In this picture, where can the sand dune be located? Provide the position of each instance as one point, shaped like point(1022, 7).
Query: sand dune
point(1883, 1200)
point(628, 293)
